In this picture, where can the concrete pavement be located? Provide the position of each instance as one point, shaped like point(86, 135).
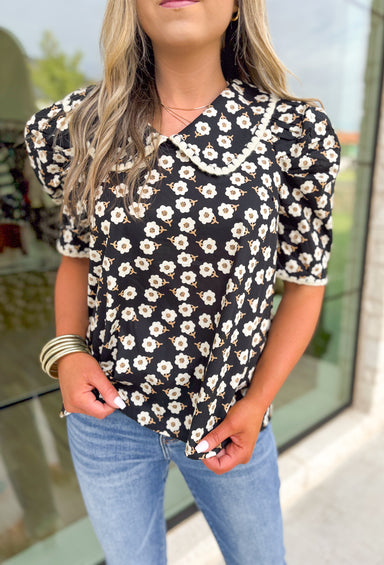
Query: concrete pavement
point(338, 522)
point(341, 521)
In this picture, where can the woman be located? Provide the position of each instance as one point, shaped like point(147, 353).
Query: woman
point(191, 177)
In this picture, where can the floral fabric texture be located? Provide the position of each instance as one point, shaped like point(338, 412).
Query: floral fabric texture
point(181, 285)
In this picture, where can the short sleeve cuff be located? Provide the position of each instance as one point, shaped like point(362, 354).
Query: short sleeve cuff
point(308, 280)
point(72, 250)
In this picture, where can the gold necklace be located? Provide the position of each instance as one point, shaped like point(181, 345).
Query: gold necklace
point(184, 109)
point(172, 111)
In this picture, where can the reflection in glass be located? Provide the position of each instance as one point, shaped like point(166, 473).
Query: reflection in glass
point(37, 481)
point(321, 384)
point(38, 488)
point(28, 221)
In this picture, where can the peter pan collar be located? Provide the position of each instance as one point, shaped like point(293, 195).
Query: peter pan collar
point(228, 131)
point(225, 134)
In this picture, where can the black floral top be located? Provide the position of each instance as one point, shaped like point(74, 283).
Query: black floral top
point(180, 295)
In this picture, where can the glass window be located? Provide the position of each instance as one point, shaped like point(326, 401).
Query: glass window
point(344, 70)
point(39, 496)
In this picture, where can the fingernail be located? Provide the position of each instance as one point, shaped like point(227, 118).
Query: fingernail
point(202, 446)
point(211, 454)
point(119, 402)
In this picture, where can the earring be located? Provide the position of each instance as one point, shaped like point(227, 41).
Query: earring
point(236, 16)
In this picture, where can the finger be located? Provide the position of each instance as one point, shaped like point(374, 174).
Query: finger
point(87, 403)
point(99, 410)
point(108, 391)
point(215, 437)
point(224, 461)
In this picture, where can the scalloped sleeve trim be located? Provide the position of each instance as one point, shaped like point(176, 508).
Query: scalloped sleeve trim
point(306, 280)
point(72, 251)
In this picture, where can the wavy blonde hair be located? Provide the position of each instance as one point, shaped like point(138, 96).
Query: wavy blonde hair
point(111, 121)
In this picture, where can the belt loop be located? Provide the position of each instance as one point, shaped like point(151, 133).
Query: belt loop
point(164, 447)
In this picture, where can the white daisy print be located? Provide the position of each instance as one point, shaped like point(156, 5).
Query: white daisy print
point(156, 329)
point(184, 205)
point(186, 172)
point(137, 398)
point(208, 297)
point(180, 187)
point(123, 245)
point(209, 191)
point(155, 281)
point(118, 215)
point(125, 269)
point(224, 124)
point(188, 327)
point(206, 215)
point(128, 342)
point(173, 425)
point(187, 225)
point(152, 229)
point(205, 320)
point(206, 270)
point(147, 246)
point(167, 267)
point(182, 293)
point(169, 316)
point(180, 343)
point(231, 247)
point(185, 259)
point(149, 344)
point(165, 213)
point(226, 211)
point(144, 418)
point(164, 368)
point(180, 242)
point(208, 245)
point(151, 295)
point(145, 310)
point(203, 128)
point(166, 162)
point(122, 366)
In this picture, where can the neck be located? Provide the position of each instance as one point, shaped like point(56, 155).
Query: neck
point(189, 80)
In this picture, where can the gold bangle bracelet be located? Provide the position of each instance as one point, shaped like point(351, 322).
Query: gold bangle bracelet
point(60, 340)
point(59, 347)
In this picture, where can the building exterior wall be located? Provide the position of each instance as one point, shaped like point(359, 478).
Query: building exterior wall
point(369, 383)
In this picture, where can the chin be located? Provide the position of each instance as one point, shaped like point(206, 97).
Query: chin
point(180, 37)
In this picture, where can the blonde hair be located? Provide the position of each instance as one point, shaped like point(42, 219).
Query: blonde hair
point(111, 121)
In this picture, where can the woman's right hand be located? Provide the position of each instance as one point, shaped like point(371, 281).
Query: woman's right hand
point(79, 375)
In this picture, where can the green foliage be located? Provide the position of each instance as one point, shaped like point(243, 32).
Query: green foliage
point(56, 73)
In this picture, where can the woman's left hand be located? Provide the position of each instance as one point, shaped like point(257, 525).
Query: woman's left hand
point(242, 426)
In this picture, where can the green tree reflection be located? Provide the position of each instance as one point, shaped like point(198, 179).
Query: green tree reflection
point(56, 74)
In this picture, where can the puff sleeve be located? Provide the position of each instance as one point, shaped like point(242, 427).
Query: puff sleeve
point(49, 151)
point(308, 156)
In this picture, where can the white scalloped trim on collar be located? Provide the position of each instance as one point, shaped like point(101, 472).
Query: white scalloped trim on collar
point(213, 168)
point(154, 140)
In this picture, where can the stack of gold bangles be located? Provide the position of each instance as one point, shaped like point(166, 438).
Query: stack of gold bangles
point(57, 348)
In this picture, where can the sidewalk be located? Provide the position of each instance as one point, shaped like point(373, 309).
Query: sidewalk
point(339, 522)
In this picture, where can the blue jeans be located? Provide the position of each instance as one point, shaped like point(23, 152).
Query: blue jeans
point(122, 467)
